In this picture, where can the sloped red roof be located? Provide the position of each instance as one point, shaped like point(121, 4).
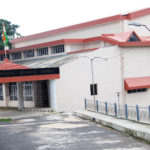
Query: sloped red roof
point(137, 83)
point(8, 65)
point(121, 37)
point(145, 38)
point(128, 16)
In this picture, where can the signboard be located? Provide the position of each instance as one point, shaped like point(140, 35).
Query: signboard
point(93, 89)
point(29, 72)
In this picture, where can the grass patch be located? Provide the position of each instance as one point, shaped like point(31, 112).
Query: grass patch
point(7, 108)
point(6, 120)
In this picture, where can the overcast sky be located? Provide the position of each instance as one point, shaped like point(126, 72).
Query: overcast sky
point(36, 16)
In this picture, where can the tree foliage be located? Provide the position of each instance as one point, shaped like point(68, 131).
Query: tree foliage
point(11, 30)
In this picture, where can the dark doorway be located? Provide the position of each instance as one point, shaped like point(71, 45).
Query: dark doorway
point(41, 94)
point(45, 94)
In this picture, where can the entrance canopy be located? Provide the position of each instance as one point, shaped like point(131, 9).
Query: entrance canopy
point(137, 83)
point(12, 72)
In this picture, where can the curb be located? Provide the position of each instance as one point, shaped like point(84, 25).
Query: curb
point(137, 134)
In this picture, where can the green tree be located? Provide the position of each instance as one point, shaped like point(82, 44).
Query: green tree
point(11, 30)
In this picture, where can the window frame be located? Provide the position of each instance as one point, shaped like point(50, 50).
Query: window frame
point(136, 90)
point(42, 51)
point(29, 53)
point(28, 91)
point(17, 55)
point(57, 49)
point(13, 90)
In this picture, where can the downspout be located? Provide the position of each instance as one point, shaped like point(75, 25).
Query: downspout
point(122, 67)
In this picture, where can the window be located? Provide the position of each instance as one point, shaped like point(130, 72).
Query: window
point(27, 91)
point(1, 92)
point(28, 54)
point(16, 56)
point(137, 90)
point(57, 49)
point(133, 38)
point(2, 57)
point(13, 91)
point(42, 51)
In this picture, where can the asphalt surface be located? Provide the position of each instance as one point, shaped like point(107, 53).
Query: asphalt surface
point(63, 132)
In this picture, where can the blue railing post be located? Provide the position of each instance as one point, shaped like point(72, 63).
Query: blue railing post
point(126, 111)
point(137, 112)
point(149, 111)
point(106, 107)
point(115, 107)
point(97, 105)
point(85, 105)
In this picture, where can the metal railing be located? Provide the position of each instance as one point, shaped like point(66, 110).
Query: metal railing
point(136, 113)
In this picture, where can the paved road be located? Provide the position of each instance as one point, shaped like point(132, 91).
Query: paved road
point(63, 132)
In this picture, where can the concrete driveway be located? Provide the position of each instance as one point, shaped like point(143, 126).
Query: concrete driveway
point(63, 132)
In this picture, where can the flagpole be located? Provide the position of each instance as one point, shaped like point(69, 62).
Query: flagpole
point(5, 52)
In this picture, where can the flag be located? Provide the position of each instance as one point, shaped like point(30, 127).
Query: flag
point(5, 39)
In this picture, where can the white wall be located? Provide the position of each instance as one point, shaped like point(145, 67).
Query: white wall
point(97, 30)
point(141, 98)
point(137, 64)
point(12, 103)
point(96, 44)
point(29, 104)
point(75, 79)
point(136, 61)
point(2, 103)
point(15, 104)
point(76, 47)
point(142, 31)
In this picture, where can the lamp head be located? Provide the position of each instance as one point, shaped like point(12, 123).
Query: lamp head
point(135, 24)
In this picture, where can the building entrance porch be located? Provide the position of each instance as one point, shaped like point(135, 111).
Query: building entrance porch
point(30, 94)
point(21, 86)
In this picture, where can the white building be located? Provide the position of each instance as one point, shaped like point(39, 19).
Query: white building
point(50, 69)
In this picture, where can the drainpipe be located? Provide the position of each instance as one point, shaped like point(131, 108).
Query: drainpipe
point(122, 66)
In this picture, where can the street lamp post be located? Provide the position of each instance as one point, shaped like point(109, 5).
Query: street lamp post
point(92, 70)
point(138, 25)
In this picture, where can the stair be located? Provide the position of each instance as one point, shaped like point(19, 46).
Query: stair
point(37, 109)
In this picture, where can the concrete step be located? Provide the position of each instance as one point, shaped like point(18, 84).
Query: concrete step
point(37, 109)
point(135, 129)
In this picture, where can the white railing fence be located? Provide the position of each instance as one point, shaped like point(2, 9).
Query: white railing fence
point(136, 113)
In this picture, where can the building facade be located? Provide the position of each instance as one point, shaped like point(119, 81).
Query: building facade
point(52, 69)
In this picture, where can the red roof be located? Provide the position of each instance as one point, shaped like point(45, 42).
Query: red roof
point(128, 16)
point(8, 65)
point(121, 37)
point(29, 78)
point(145, 38)
point(137, 83)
